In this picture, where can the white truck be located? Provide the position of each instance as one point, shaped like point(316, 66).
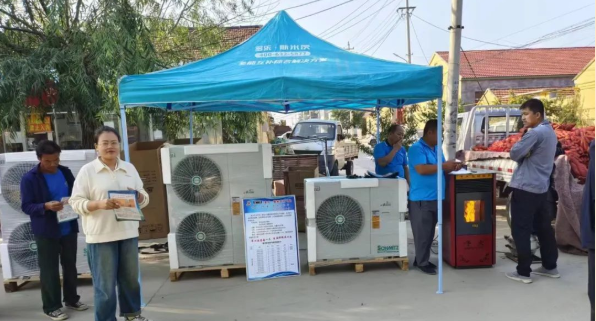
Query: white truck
point(484, 125)
point(340, 151)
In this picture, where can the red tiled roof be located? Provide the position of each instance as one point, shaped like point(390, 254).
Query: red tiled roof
point(236, 35)
point(523, 62)
point(505, 94)
point(230, 37)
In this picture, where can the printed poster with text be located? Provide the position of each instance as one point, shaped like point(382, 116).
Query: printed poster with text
point(271, 238)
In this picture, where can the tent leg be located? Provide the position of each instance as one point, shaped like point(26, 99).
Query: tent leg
point(124, 136)
point(190, 119)
point(124, 132)
point(440, 192)
point(378, 112)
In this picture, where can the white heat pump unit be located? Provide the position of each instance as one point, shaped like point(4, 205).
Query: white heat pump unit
point(355, 218)
point(202, 183)
point(18, 250)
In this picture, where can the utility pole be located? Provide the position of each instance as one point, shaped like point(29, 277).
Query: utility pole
point(407, 11)
point(455, 28)
point(349, 48)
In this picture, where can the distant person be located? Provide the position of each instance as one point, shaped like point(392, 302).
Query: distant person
point(587, 225)
point(112, 245)
point(530, 183)
point(42, 190)
point(390, 155)
point(422, 158)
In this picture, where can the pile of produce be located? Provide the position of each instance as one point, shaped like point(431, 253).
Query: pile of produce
point(575, 142)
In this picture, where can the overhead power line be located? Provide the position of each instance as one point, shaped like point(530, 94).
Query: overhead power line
point(384, 38)
point(419, 44)
point(321, 11)
point(337, 24)
point(543, 22)
point(373, 19)
point(352, 25)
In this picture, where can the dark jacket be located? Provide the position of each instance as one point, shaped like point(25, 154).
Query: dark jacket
point(587, 216)
point(34, 194)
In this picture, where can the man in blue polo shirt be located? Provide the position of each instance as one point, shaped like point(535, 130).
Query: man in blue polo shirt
point(422, 157)
point(390, 155)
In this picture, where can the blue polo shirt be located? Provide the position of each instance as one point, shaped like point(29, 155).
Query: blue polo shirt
point(423, 187)
point(58, 188)
point(397, 163)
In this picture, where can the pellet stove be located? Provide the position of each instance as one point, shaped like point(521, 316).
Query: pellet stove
point(469, 220)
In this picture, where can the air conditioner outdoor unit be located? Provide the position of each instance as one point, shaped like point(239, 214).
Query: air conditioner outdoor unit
point(18, 250)
point(202, 182)
point(355, 218)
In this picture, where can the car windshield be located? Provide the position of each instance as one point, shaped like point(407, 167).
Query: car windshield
point(314, 130)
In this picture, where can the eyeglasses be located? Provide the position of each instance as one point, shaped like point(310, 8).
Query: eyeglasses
point(109, 144)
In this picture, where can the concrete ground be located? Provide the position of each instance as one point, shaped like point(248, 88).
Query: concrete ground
point(382, 292)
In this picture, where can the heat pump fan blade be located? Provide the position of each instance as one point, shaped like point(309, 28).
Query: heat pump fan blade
point(340, 219)
point(201, 236)
point(10, 183)
point(22, 247)
point(196, 180)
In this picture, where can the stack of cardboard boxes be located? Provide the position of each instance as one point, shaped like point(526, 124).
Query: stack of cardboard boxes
point(145, 156)
point(294, 185)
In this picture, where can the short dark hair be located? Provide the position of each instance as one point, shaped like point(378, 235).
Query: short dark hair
point(105, 129)
point(393, 128)
point(47, 147)
point(430, 125)
point(534, 105)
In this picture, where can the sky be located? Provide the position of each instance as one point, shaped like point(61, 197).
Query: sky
point(374, 27)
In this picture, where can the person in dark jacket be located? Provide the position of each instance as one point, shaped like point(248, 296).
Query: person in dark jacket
point(42, 191)
point(587, 225)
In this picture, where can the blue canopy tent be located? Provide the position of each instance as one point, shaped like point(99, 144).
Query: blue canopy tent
point(283, 68)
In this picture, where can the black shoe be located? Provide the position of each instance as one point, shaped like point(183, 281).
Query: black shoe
point(428, 269)
point(429, 264)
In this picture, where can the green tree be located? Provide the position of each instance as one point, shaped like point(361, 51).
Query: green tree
point(348, 118)
point(561, 109)
point(84, 47)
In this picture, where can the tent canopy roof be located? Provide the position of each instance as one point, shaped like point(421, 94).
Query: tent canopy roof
point(283, 68)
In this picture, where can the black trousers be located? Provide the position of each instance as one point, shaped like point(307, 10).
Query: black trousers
point(529, 213)
point(51, 253)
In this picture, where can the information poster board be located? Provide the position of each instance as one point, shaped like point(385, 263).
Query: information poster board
point(271, 238)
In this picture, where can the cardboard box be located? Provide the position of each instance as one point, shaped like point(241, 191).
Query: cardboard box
point(294, 179)
point(278, 188)
point(294, 185)
point(145, 156)
point(301, 213)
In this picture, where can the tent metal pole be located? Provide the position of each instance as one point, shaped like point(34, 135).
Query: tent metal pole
point(190, 119)
point(124, 136)
point(440, 191)
point(124, 132)
point(378, 112)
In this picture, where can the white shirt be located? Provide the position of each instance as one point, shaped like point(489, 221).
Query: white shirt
point(93, 182)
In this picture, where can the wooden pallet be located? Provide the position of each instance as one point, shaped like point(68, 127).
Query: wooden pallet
point(13, 285)
point(176, 274)
point(402, 262)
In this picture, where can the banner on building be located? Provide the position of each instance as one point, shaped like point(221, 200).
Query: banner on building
point(37, 123)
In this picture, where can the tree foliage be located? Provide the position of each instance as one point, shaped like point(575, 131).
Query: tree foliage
point(356, 120)
point(561, 109)
point(84, 47)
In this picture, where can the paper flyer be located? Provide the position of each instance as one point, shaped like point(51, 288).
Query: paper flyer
point(129, 207)
point(67, 213)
